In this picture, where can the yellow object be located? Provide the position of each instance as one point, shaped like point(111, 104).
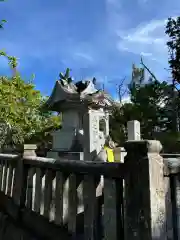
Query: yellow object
point(110, 154)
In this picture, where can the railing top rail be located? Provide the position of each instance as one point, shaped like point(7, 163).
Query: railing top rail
point(115, 170)
point(173, 155)
point(111, 170)
point(9, 157)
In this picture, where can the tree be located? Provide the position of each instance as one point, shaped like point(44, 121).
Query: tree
point(152, 106)
point(121, 89)
point(173, 32)
point(20, 107)
point(138, 74)
point(150, 103)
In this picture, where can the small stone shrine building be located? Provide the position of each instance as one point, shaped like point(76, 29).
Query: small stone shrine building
point(85, 119)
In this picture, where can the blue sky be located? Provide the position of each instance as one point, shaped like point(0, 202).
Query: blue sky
point(100, 38)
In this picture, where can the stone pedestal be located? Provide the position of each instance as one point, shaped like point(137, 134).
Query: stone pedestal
point(145, 215)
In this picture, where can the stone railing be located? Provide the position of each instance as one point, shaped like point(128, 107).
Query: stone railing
point(60, 199)
point(37, 189)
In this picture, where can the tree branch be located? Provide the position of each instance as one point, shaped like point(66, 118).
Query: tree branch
point(149, 71)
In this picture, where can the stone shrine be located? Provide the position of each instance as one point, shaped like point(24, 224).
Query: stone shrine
point(85, 118)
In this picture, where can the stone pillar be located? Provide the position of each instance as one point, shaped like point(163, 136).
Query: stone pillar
point(145, 216)
point(134, 131)
point(107, 122)
point(29, 150)
point(91, 134)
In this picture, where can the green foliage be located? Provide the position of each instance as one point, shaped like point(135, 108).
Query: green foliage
point(150, 103)
point(20, 107)
point(2, 22)
point(170, 141)
point(173, 31)
point(11, 59)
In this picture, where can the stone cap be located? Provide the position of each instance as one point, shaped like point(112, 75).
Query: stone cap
point(142, 147)
point(30, 146)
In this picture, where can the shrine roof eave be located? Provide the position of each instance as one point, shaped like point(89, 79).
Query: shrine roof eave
point(63, 99)
point(96, 107)
point(81, 105)
point(62, 105)
point(59, 94)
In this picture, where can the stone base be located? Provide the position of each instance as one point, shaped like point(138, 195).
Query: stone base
point(61, 155)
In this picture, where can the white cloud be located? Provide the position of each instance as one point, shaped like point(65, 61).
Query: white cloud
point(146, 54)
point(83, 56)
point(147, 39)
point(125, 99)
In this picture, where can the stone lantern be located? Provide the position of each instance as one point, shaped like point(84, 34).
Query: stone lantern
point(85, 118)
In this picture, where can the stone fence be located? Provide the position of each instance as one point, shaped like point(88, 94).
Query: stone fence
point(132, 204)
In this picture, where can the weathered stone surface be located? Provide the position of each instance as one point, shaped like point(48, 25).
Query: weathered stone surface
point(134, 132)
point(145, 191)
point(119, 154)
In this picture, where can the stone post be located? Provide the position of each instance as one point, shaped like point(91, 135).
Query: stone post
point(29, 150)
point(91, 134)
point(134, 131)
point(145, 216)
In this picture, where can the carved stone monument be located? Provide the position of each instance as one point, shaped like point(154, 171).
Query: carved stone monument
point(134, 131)
point(85, 118)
